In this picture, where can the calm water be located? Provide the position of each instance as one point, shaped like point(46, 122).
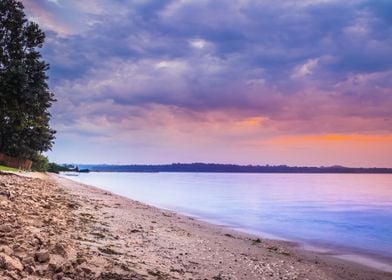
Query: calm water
point(349, 212)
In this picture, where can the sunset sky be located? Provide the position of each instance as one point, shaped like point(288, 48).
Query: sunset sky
point(306, 82)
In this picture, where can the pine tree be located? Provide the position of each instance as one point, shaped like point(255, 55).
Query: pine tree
point(24, 93)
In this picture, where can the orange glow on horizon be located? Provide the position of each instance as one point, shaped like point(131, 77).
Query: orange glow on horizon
point(334, 138)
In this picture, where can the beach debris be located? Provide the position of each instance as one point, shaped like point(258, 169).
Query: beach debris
point(256, 241)
point(108, 250)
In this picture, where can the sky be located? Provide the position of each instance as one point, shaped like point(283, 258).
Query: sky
point(305, 82)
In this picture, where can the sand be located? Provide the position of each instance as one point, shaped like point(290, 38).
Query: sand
point(89, 233)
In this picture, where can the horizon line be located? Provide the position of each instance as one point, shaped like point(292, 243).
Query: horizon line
point(235, 164)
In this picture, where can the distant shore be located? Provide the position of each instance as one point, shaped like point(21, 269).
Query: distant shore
point(98, 235)
point(232, 168)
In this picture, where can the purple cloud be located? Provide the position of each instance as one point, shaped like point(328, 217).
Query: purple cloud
point(324, 65)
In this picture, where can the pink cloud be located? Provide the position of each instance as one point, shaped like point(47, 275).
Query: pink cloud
point(46, 19)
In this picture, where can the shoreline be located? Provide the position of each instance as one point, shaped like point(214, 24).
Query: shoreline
point(297, 247)
point(119, 238)
point(359, 256)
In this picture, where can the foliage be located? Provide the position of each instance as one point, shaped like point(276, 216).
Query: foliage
point(56, 168)
point(40, 163)
point(24, 94)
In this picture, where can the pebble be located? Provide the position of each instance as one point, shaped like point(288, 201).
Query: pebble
point(42, 256)
point(10, 263)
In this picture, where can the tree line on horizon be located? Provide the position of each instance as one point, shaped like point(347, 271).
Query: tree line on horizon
point(229, 168)
point(25, 97)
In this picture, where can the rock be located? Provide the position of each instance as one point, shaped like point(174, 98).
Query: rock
point(68, 268)
point(5, 228)
point(30, 269)
point(10, 263)
point(60, 249)
point(13, 275)
point(81, 260)
point(86, 269)
point(3, 203)
point(42, 256)
point(5, 249)
point(39, 239)
point(58, 276)
point(7, 193)
point(56, 263)
point(42, 269)
point(28, 260)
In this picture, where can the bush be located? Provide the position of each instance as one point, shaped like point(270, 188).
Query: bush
point(55, 168)
point(40, 163)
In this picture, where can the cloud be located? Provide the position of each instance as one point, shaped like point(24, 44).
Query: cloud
point(305, 69)
point(54, 1)
point(45, 18)
point(301, 67)
point(198, 43)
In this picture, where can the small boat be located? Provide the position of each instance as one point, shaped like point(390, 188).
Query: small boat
point(71, 174)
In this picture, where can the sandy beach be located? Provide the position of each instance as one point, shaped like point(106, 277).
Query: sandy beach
point(55, 228)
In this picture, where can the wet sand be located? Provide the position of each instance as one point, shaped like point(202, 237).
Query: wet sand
point(106, 236)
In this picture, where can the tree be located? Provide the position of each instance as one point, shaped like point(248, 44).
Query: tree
point(40, 164)
point(24, 93)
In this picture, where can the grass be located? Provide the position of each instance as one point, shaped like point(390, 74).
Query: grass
point(5, 168)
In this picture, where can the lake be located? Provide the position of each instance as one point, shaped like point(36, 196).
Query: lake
point(351, 213)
